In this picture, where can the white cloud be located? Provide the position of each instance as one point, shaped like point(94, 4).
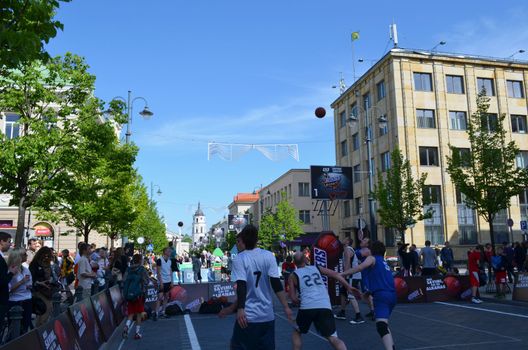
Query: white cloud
point(289, 122)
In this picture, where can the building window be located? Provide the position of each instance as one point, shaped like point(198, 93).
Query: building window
point(304, 216)
point(429, 156)
point(355, 141)
point(384, 127)
point(465, 156)
point(458, 120)
point(304, 189)
point(489, 122)
point(346, 209)
point(12, 127)
point(358, 206)
point(354, 110)
point(515, 88)
point(357, 173)
point(426, 118)
point(423, 82)
point(366, 101)
point(487, 85)
point(467, 228)
point(522, 159)
point(455, 84)
point(523, 201)
point(380, 88)
point(390, 237)
point(342, 119)
point(385, 161)
point(518, 123)
point(500, 226)
point(433, 226)
point(344, 148)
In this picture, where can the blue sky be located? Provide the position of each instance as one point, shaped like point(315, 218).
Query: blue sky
point(253, 72)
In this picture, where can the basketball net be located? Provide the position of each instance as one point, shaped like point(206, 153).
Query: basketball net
point(233, 151)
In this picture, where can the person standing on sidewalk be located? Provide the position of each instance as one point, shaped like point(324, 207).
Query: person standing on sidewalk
point(349, 260)
point(447, 257)
point(6, 274)
point(85, 273)
point(134, 290)
point(429, 261)
point(499, 267)
point(165, 267)
point(20, 287)
point(474, 262)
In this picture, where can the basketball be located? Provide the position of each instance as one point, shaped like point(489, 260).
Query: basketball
point(320, 112)
point(453, 286)
point(401, 288)
point(329, 242)
point(178, 293)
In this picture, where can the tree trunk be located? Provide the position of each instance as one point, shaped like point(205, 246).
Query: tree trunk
point(492, 235)
point(21, 223)
point(402, 233)
point(86, 233)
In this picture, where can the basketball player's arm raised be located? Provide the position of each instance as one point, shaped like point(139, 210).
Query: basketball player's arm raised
point(338, 277)
point(369, 261)
point(346, 258)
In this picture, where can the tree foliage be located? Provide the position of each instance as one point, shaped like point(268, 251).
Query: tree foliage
point(281, 225)
point(399, 195)
point(52, 101)
point(25, 26)
point(488, 175)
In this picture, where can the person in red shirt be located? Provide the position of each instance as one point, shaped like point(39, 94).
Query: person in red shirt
point(287, 268)
point(474, 257)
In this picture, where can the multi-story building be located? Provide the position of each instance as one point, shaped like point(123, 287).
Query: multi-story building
point(420, 101)
point(294, 186)
point(199, 226)
point(244, 203)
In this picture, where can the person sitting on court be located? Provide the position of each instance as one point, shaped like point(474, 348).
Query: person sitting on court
point(379, 278)
point(315, 306)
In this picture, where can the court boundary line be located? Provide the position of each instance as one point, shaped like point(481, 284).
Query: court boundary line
point(462, 344)
point(458, 325)
point(195, 345)
point(480, 309)
point(124, 339)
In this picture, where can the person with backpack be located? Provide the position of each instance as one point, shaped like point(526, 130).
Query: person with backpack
point(134, 290)
point(498, 262)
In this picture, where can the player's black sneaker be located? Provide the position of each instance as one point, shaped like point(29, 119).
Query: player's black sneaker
point(341, 315)
point(357, 320)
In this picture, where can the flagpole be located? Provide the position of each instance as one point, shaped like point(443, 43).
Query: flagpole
point(354, 36)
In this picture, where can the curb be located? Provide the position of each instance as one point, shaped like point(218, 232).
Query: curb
point(507, 302)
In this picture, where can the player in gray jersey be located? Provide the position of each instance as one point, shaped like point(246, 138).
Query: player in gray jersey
point(257, 277)
point(314, 301)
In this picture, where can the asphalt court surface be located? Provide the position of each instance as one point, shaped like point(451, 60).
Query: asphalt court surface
point(417, 326)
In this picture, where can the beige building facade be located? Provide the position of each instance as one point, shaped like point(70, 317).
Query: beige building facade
point(426, 99)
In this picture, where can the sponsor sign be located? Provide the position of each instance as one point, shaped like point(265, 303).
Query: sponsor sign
point(59, 334)
point(410, 289)
point(436, 289)
point(222, 290)
point(118, 305)
point(326, 252)
point(331, 182)
point(104, 314)
point(151, 296)
point(520, 288)
point(84, 322)
point(429, 289)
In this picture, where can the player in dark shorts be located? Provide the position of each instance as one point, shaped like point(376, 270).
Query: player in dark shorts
point(315, 305)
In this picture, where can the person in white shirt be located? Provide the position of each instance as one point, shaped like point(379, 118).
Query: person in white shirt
point(256, 275)
point(20, 287)
point(314, 301)
point(85, 273)
point(165, 267)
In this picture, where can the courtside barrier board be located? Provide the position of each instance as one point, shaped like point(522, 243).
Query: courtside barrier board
point(86, 325)
point(104, 314)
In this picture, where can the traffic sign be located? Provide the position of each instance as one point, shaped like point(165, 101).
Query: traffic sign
point(510, 222)
point(524, 225)
point(150, 247)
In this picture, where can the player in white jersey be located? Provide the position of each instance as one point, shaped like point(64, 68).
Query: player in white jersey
point(315, 305)
point(257, 277)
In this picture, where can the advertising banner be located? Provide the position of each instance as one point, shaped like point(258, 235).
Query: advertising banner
point(436, 289)
point(222, 290)
point(520, 288)
point(104, 313)
point(190, 296)
point(59, 334)
point(84, 321)
point(118, 306)
point(326, 252)
point(331, 182)
point(152, 294)
point(410, 289)
point(29, 341)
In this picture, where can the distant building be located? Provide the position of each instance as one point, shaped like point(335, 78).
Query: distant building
point(199, 226)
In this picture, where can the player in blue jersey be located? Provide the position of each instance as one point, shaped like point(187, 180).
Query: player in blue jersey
point(380, 282)
point(257, 277)
point(365, 243)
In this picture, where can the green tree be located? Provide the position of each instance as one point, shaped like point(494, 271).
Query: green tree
point(25, 26)
point(488, 175)
point(399, 195)
point(97, 175)
point(281, 225)
point(42, 101)
point(148, 224)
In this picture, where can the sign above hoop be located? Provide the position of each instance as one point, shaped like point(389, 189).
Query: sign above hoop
point(331, 182)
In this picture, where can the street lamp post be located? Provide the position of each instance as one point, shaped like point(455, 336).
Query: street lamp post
point(152, 187)
point(368, 140)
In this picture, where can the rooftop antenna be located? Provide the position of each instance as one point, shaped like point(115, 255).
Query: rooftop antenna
point(342, 85)
point(393, 33)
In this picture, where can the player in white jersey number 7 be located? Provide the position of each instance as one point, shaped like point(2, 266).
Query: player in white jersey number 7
point(315, 305)
point(257, 277)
